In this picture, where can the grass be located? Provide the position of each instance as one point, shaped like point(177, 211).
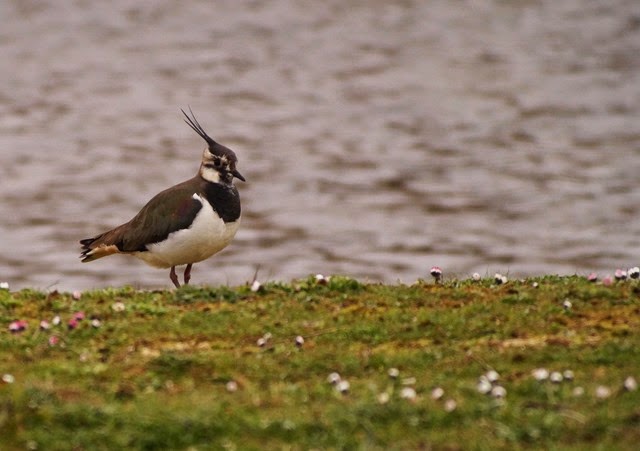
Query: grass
point(155, 375)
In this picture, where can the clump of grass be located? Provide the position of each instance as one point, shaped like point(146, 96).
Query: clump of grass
point(220, 367)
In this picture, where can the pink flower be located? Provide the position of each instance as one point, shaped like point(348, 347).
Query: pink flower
point(18, 326)
point(53, 340)
point(73, 323)
point(593, 277)
point(620, 274)
point(78, 316)
point(436, 272)
point(607, 281)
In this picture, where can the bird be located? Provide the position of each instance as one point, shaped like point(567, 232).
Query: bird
point(184, 224)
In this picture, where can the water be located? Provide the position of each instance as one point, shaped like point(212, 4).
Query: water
point(378, 138)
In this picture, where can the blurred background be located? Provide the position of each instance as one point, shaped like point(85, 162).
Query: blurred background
point(378, 138)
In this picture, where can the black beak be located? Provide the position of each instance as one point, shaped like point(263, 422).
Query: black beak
point(237, 175)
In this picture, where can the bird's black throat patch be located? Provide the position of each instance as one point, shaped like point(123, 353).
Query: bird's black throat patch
point(224, 199)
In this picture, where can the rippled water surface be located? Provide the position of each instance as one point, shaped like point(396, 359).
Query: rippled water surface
point(378, 138)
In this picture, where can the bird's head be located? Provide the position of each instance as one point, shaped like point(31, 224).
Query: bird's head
point(218, 162)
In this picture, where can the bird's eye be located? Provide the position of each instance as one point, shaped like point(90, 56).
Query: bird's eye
point(217, 163)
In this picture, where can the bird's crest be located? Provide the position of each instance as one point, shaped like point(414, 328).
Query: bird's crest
point(195, 125)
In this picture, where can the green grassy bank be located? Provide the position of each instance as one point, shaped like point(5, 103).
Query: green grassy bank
point(184, 370)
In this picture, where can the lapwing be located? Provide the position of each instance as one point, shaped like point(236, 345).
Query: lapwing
point(184, 224)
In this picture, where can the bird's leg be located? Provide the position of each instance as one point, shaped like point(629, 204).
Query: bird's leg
point(173, 276)
point(187, 274)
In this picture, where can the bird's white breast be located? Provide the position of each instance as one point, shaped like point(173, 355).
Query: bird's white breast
point(207, 235)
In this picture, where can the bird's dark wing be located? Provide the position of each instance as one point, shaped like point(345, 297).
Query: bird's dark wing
point(169, 211)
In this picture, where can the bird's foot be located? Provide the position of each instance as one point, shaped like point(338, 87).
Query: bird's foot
point(174, 277)
point(187, 274)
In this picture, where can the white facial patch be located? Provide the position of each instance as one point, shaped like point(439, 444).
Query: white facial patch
point(210, 174)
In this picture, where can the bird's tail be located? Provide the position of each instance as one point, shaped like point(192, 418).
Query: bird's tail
point(96, 247)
